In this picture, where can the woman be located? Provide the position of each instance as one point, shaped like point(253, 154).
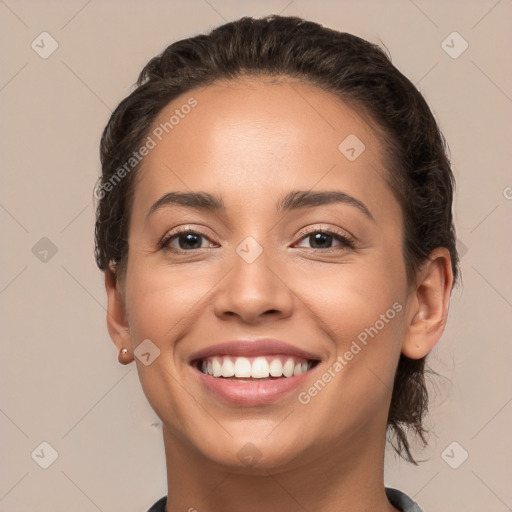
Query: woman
point(276, 233)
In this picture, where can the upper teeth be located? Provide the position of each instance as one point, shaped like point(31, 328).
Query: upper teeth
point(257, 368)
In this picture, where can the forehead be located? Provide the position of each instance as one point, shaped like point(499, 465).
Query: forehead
point(247, 137)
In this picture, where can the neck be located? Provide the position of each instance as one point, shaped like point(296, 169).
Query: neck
point(348, 477)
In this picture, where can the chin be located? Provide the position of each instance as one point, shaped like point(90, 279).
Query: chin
point(252, 456)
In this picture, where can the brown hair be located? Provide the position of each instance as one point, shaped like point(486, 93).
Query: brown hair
point(356, 71)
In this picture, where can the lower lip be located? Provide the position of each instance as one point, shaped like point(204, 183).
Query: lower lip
point(255, 392)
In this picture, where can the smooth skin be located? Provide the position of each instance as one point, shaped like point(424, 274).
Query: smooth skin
point(251, 142)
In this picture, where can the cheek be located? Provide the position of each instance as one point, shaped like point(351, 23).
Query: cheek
point(162, 300)
point(360, 308)
point(163, 304)
point(347, 298)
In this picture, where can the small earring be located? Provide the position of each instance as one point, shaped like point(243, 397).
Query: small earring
point(124, 356)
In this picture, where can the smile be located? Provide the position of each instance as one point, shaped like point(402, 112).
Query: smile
point(252, 372)
point(253, 381)
point(261, 367)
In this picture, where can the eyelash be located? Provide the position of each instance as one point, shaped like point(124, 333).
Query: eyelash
point(346, 240)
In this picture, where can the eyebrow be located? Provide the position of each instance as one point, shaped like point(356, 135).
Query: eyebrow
point(294, 200)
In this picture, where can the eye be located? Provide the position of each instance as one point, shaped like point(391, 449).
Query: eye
point(186, 240)
point(323, 239)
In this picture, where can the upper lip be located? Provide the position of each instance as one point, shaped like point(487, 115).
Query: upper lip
point(246, 348)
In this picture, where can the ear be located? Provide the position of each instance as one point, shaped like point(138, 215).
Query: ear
point(117, 322)
point(428, 305)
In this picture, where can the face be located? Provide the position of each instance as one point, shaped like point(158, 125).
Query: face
point(325, 275)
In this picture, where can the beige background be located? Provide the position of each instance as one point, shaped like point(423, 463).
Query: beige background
point(60, 381)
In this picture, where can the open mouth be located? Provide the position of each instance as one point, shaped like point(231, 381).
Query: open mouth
point(264, 367)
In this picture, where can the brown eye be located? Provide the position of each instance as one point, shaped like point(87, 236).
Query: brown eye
point(186, 240)
point(322, 239)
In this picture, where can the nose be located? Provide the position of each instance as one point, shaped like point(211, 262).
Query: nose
point(254, 291)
